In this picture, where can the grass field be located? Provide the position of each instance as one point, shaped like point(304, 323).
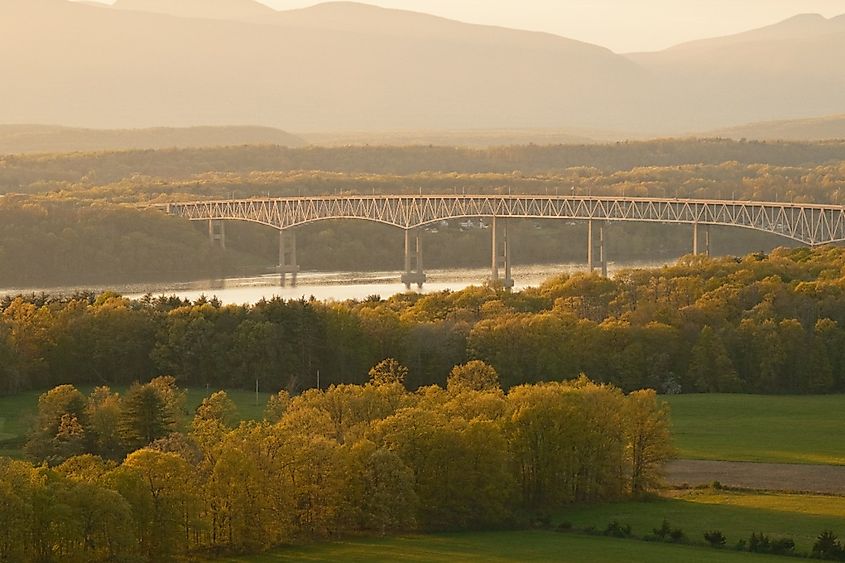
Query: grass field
point(18, 411)
point(502, 546)
point(735, 514)
point(777, 429)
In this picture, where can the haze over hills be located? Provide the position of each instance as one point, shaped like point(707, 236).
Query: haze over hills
point(811, 129)
point(345, 66)
point(793, 69)
point(16, 139)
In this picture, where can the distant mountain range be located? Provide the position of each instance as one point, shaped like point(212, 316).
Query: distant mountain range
point(343, 66)
point(48, 138)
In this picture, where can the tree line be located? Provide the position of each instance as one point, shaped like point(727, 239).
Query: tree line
point(372, 458)
point(107, 167)
point(762, 324)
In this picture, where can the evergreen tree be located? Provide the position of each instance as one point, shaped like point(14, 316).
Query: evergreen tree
point(144, 417)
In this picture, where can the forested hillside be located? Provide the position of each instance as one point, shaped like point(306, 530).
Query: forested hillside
point(92, 198)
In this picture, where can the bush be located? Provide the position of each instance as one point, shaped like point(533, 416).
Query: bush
point(715, 538)
point(564, 527)
point(761, 543)
point(669, 534)
point(663, 531)
point(617, 530)
point(677, 535)
point(827, 546)
point(758, 543)
point(782, 546)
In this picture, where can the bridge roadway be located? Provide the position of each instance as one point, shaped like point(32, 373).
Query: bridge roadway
point(808, 223)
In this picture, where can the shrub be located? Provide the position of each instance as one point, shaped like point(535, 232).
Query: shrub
point(663, 531)
point(677, 535)
point(758, 543)
point(827, 546)
point(715, 538)
point(782, 546)
point(761, 543)
point(617, 530)
point(667, 533)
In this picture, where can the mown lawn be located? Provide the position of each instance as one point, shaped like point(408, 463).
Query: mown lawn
point(17, 412)
point(502, 546)
point(735, 514)
point(777, 429)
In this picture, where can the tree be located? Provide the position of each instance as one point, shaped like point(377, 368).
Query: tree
point(166, 505)
point(474, 376)
point(60, 426)
point(710, 368)
point(103, 412)
point(382, 486)
point(144, 417)
point(648, 442)
point(388, 372)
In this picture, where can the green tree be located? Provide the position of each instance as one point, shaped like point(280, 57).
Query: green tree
point(145, 416)
point(647, 440)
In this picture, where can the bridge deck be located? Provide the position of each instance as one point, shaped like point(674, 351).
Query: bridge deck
point(809, 223)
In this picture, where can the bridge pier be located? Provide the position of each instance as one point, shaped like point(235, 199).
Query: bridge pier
point(590, 246)
point(413, 252)
point(501, 254)
point(695, 239)
point(707, 240)
point(217, 233)
point(602, 255)
point(287, 257)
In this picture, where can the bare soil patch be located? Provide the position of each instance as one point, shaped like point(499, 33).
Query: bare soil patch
point(828, 479)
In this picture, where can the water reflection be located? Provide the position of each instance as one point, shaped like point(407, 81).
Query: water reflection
point(332, 286)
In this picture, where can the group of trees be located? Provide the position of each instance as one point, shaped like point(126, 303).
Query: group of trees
point(104, 423)
point(372, 458)
point(763, 324)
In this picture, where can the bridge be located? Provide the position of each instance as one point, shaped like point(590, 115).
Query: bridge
point(807, 223)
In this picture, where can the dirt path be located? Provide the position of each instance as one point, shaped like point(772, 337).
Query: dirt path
point(768, 476)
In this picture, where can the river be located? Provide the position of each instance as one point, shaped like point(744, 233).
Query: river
point(329, 286)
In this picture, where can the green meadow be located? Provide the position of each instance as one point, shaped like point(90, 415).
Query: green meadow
point(735, 514)
point(776, 429)
point(495, 547)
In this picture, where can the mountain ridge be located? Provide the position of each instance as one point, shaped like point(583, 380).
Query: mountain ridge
point(345, 66)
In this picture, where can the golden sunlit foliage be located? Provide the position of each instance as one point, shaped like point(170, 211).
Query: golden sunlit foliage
point(372, 458)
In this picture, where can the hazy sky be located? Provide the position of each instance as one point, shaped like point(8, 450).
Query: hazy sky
point(621, 25)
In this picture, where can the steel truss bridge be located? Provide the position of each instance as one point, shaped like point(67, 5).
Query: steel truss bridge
point(807, 223)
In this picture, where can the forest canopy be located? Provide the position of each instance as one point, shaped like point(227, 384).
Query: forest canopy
point(764, 324)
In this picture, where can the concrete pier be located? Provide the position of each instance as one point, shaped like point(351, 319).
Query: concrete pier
point(501, 254)
point(287, 257)
point(602, 253)
point(413, 253)
point(217, 233)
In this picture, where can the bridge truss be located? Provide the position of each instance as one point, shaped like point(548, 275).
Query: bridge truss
point(811, 224)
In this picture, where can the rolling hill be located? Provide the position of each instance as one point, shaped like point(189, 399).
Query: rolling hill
point(811, 129)
point(15, 139)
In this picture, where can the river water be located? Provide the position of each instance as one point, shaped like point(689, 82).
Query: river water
point(330, 286)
